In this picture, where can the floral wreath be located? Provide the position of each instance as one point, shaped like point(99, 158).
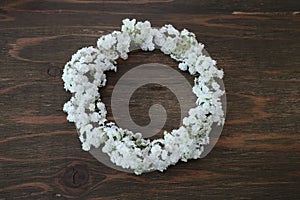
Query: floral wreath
point(84, 74)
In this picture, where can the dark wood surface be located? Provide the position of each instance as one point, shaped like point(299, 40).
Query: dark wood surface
point(256, 43)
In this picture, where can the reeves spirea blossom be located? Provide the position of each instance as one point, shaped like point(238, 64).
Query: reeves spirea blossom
point(85, 73)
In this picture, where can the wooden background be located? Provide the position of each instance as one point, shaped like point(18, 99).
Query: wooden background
point(256, 43)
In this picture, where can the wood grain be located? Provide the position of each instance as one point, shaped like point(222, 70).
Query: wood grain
point(256, 43)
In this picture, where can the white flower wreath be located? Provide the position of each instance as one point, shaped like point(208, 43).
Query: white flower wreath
point(84, 74)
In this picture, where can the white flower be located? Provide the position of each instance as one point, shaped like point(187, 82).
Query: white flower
point(183, 66)
point(99, 79)
point(95, 117)
point(92, 107)
point(85, 72)
point(184, 32)
point(164, 155)
point(128, 25)
point(170, 30)
point(192, 70)
point(169, 45)
point(215, 86)
point(106, 41)
point(159, 37)
point(123, 44)
point(156, 151)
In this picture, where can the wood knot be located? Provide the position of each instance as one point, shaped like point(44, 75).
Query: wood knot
point(54, 71)
point(75, 176)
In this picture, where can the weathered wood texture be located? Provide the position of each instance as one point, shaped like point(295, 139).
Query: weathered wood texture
point(256, 43)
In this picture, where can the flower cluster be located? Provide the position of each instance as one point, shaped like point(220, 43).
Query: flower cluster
point(85, 73)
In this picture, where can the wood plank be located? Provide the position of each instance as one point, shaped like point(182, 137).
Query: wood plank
point(255, 42)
